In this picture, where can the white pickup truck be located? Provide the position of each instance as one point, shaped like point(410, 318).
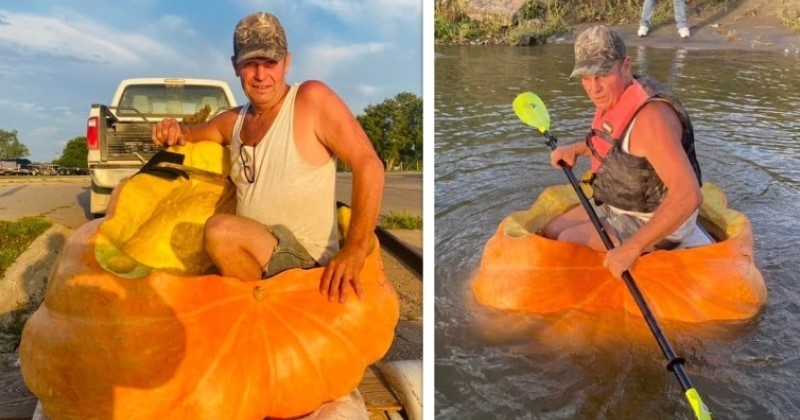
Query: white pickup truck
point(118, 134)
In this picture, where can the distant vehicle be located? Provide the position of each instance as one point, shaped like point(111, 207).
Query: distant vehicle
point(43, 169)
point(66, 170)
point(18, 166)
point(118, 134)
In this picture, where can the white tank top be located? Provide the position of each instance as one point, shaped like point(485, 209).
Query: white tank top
point(287, 190)
point(688, 233)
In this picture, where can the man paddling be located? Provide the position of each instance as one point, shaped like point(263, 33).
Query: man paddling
point(645, 175)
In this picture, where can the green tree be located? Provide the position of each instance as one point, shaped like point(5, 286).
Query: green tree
point(395, 129)
point(10, 146)
point(74, 154)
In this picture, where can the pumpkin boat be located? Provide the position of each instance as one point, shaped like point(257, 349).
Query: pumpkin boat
point(523, 271)
point(134, 327)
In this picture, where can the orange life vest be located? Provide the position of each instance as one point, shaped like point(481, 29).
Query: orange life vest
point(609, 126)
point(623, 180)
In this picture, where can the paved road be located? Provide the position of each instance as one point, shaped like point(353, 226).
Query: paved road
point(401, 192)
point(65, 200)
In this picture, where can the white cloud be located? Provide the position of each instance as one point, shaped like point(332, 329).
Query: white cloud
point(177, 24)
point(325, 59)
point(332, 53)
point(367, 90)
point(57, 61)
point(78, 38)
point(21, 106)
point(38, 35)
point(381, 14)
point(371, 10)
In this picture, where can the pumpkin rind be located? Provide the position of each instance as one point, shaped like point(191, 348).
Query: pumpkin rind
point(199, 347)
point(523, 271)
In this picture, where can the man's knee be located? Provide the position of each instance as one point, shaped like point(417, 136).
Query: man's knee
point(573, 235)
point(217, 228)
point(565, 221)
point(582, 234)
point(552, 230)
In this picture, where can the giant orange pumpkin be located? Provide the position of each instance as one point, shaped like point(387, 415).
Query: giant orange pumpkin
point(523, 271)
point(152, 343)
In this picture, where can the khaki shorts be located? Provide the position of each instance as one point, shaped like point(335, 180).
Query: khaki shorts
point(288, 254)
point(625, 225)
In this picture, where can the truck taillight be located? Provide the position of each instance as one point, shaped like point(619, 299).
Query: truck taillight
point(92, 141)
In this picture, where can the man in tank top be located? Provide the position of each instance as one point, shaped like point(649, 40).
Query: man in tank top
point(284, 144)
point(645, 175)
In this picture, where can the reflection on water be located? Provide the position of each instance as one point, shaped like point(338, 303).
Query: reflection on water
point(494, 365)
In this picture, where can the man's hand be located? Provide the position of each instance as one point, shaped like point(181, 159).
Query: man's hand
point(620, 259)
point(167, 132)
point(567, 153)
point(343, 270)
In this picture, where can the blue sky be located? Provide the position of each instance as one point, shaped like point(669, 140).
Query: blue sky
point(57, 58)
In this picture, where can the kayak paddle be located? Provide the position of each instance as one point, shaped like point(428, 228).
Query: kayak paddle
point(532, 111)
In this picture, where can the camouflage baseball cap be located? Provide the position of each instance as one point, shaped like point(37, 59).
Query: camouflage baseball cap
point(259, 35)
point(596, 49)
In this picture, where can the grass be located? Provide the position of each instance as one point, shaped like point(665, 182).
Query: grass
point(11, 329)
point(402, 220)
point(11, 325)
point(17, 236)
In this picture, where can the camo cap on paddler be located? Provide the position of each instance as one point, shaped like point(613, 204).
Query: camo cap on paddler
point(596, 49)
point(259, 35)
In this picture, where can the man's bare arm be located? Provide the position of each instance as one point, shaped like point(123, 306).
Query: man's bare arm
point(657, 136)
point(340, 132)
point(169, 131)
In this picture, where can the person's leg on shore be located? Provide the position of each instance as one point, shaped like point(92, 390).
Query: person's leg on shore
point(648, 7)
point(679, 8)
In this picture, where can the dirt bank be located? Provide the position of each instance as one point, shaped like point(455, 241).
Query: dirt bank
point(715, 24)
point(751, 24)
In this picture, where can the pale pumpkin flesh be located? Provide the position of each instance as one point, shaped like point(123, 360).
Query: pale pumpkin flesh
point(157, 223)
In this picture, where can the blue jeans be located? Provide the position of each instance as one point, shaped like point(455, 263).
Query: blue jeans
point(678, 6)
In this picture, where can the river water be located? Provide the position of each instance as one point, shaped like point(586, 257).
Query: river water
point(745, 106)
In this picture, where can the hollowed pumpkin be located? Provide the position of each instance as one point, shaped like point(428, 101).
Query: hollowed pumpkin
point(523, 271)
point(166, 345)
point(157, 223)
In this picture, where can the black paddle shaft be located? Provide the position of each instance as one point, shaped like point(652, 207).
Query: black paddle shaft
point(674, 363)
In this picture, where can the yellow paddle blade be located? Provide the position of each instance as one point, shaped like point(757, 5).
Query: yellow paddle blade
point(531, 110)
point(700, 410)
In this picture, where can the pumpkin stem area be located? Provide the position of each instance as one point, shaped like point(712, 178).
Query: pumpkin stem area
point(259, 292)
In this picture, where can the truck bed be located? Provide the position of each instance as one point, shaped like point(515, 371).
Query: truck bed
point(126, 139)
